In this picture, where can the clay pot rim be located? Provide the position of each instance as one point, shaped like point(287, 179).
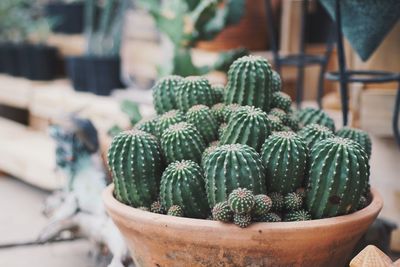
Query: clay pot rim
point(129, 213)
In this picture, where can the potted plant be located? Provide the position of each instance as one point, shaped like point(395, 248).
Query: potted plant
point(261, 185)
point(98, 71)
point(70, 15)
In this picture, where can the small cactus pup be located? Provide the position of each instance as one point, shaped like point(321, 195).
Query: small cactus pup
point(269, 217)
point(250, 83)
point(278, 201)
point(357, 135)
point(241, 200)
point(167, 119)
point(194, 90)
point(338, 176)
point(287, 119)
point(275, 123)
point(276, 82)
point(182, 183)
point(222, 212)
point(314, 133)
point(242, 220)
point(232, 166)
point(293, 201)
point(157, 207)
point(249, 125)
point(202, 117)
point(229, 110)
point(182, 141)
point(297, 215)
point(284, 156)
point(175, 210)
point(218, 90)
point(262, 205)
point(281, 100)
point(218, 111)
point(164, 91)
point(309, 115)
point(147, 125)
point(136, 165)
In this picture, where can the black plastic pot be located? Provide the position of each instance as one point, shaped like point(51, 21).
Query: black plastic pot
point(76, 71)
point(25, 59)
point(44, 62)
point(9, 58)
point(70, 17)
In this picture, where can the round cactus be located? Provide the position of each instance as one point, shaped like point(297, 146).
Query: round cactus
point(218, 111)
point(249, 125)
point(338, 176)
point(202, 117)
point(147, 125)
point(136, 180)
point(278, 201)
point(164, 91)
point(182, 183)
point(357, 135)
point(167, 119)
point(275, 123)
point(269, 217)
point(276, 82)
point(284, 155)
point(222, 212)
point(293, 201)
point(156, 207)
point(194, 90)
point(241, 200)
point(362, 203)
point(242, 220)
point(229, 110)
point(262, 205)
point(287, 119)
point(232, 166)
point(208, 151)
point(282, 101)
point(222, 129)
point(298, 215)
point(250, 83)
point(309, 115)
point(175, 210)
point(218, 90)
point(182, 141)
point(314, 133)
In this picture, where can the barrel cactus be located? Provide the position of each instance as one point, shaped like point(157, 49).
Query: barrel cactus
point(194, 90)
point(358, 136)
point(208, 150)
point(284, 155)
point(250, 83)
point(229, 110)
point(298, 215)
point(286, 118)
point(218, 111)
point(136, 180)
point(157, 207)
point(167, 119)
point(147, 125)
point(182, 183)
point(164, 91)
point(293, 201)
point(314, 133)
point(218, 90)
point(275, 123)
point(242, 220)
point(222, 129)
point(276, 82)
point(175, 210)
point(269, 217)
point(309, 115)
point(241, 200)
point(249, 125)
point(281, 100)
point(278, 201)
point(222, 212)
point(182, 141)
point(223, 174)
point(262, 205)
point(202, 117)
point(338, 176)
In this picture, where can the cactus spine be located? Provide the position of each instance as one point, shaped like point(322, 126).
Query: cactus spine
point(182, 141)
point(201, 117)
point(281, 100)
point(338, 176)
point(308, 116)
point(250, 83)
point(136, 165)
point(194, 90)
point(167, 119)
point(314, 133)
point(284, 155)
point(164, 91)
point(232, 166)
point(357, 135)
point(182, 183)
point(249, 125)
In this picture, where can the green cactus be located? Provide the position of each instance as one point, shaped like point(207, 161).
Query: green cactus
point(223, 174)
point(182, 183)
point(147, 125)
point(287, 119)
point(278, 201)
point(164, 93)
point(248, 125)
point(202, 117)
point(293, 201)
point(281, 100)
point(218, 90)
point(298, 215)
point(269, 217)
point(194, 90)
point(182, 141)
point(157, 207)
point(242, 220)
point(262, 205)
point(309, 115)
point(275, 123)
point(284, 155)
point(358, 136)
point(338, 176)
point(222, 212)
point(208, 150)
point(167, 119)
point(250, 83)
point(175, 210)
point(362, 203)
point(314, 133)
point(222, 129)
point(229, 110)
point(136, 165)
point(276, 82)
point(241, 200)
point(218, 112)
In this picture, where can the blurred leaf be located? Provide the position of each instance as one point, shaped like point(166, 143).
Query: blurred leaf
point(131, 109)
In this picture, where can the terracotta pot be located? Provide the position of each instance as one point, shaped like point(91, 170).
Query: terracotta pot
point(160, 240)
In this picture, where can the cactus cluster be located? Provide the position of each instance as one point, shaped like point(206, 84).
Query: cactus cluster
point(164, 93)
point(314, 133)
point(308, 116)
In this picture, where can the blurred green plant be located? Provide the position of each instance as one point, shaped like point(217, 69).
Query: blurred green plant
point(131, 109)
point(185, 22)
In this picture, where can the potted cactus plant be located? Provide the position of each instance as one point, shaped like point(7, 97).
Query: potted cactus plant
point(273, 187)
point(98, 71)
point(70, 15)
